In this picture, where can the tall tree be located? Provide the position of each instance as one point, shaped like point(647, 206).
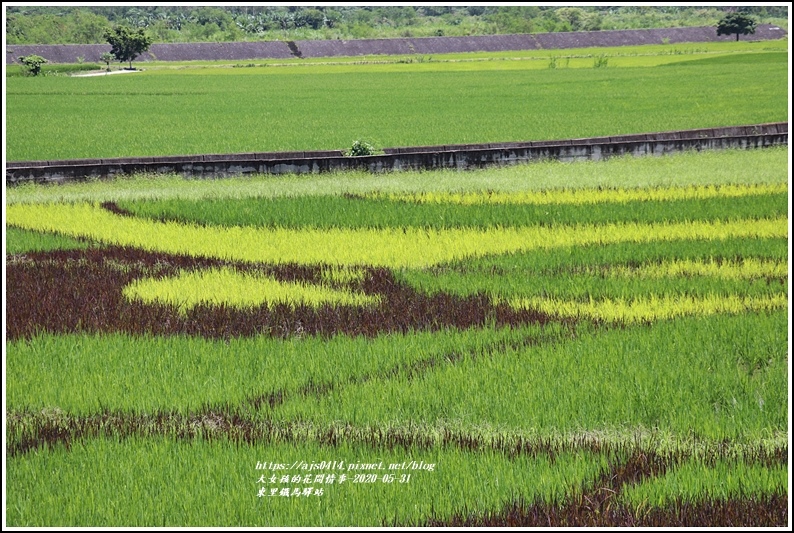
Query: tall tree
point(127, 43)
point(735, 23)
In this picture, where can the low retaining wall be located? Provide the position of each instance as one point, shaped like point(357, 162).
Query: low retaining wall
point(465, 156)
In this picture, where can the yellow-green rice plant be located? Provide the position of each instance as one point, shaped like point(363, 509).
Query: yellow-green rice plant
point(399, 247)
point(651, 308)
point(588, 196)
point(336, 275)
point(226, 286)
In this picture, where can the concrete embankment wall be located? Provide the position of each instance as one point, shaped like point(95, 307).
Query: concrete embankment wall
point(406, 158)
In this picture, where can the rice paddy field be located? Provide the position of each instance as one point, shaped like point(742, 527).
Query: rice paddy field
point(547, 344)
point(407, 101)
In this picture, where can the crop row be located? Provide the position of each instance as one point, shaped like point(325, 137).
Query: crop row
point(20, 241)
point(329, 212)
point(734, 386)
point(611, 270)
point(683, 169)
point(407, 247)
point(745, 269)
point(589, 511)
point(651, 308)
point(695, 480)
point(590, 196)
point(113, 483)
point(219, 478)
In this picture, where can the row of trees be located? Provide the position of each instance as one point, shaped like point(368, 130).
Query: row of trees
point(87, 25)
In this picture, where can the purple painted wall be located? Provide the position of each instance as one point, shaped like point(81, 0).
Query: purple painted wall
point(241, 51)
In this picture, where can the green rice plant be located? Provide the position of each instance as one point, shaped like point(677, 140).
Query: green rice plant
point(729, 59)
point(572, 285)
point(695, 481)
point(601, 61)
point(83, 373)
point(734, 385)
point(531, 271)
point(203, 483)
point(748, 268)
point(22, 241)
point(228, 287)
point(356, 212)
point(169, 112)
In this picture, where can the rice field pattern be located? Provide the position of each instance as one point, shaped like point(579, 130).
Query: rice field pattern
point(568, 357)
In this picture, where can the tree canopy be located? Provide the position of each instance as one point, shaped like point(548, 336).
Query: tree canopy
point(62, 24)
point(33, 63)
point(127, 43)
point(735, 23)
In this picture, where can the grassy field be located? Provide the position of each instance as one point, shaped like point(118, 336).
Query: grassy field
point(207, 353)
point(208, 109)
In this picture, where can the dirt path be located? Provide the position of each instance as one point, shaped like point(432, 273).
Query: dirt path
point(104, 73)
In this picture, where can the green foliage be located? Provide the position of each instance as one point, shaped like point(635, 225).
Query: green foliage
point(359, 148)
point(736, 23)
point(33, 63)
point(64, 24)
point(313, 18)
point(107, 57)
point(127, 43)
point(55, 25)
point(52, 69)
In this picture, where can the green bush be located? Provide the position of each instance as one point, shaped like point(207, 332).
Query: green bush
point(32, 63)
point(360, 147)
